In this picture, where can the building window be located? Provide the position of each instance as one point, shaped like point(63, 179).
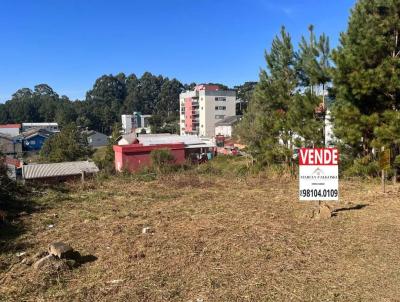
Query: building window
point(216, 99)
point(219, 117)
point(220, 107)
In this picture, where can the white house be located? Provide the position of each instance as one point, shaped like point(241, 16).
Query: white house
point(225, 127)
point(10, 129)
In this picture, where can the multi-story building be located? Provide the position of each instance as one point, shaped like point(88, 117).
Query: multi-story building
point(203, 107)
point(135, 122)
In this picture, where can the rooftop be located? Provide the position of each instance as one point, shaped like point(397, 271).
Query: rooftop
point(127, 139)
point(33, 132)
point(91, 132)
point(158, 139)
point(35, 171)
point(229, 121)
point(11, 126)
point(39, 124)
point(206, 87)
point(6, 136)
point(13, 162)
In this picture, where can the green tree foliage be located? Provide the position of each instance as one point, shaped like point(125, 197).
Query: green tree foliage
point(161, 159)
point(40, 105)
point(265, 123)
point(162, 124)
point(110, 96)
point(104, 158)
point(244, 93)
point(282, 112)
point(387, 133)
point(367, 77)
point(68, 145)
point(6, 184)
point(168, 103)
point(313, 61)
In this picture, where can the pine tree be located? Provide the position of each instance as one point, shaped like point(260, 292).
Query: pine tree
point(282, 113)
point(264, 127)
point(367, 74)
point(68, 145)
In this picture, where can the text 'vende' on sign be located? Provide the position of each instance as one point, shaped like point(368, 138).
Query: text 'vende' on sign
point(318, 174)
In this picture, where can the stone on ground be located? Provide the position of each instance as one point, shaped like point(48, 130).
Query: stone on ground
point(325, 212)
point(43, 261)
point(61, 250)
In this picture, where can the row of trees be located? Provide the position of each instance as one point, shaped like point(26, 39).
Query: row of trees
point(110, 96)
point(363, 76)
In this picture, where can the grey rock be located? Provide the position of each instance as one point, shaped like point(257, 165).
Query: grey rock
point(43, 261)
point(61, 250)
point(325, 212)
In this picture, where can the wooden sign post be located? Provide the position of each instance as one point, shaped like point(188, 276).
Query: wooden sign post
point(384, 164)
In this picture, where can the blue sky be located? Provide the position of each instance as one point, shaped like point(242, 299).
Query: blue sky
point(69, 43)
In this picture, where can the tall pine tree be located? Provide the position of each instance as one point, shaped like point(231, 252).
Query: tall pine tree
point(282, 113)
point(367, 74)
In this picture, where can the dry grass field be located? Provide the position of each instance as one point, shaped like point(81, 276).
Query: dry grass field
point(216, 238)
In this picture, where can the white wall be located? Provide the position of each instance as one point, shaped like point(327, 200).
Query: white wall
point(10, 131)
point(223, 130)
point(126, 120)
point(329, 137)
point(208, 118)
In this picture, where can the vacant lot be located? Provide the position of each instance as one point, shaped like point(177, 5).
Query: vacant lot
point(216, 238)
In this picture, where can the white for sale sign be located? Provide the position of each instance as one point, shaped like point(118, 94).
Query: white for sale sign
point(318, 174)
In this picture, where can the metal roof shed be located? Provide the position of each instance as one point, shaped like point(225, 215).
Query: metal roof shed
point(58, 171)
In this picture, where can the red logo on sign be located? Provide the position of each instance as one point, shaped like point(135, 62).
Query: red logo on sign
point(318, 156)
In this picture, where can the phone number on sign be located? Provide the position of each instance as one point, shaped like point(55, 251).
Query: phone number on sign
point(318, 193)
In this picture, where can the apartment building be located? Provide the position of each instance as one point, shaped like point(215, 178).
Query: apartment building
point(203, 107)
point(135, 122)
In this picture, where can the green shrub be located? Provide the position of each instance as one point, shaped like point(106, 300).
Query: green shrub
point(209, 169)
point(363, 167)
point(162, 160)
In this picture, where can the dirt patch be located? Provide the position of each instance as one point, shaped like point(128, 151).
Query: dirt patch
point(222, 239)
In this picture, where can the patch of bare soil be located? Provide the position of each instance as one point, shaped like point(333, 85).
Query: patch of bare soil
point(209, 238)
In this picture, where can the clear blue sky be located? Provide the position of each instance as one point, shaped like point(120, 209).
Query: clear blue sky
point(69, 43)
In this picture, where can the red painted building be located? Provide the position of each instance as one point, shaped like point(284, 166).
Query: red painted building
point(135, 157)
point(189, 115)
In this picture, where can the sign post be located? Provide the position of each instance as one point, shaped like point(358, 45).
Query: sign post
point(384, 164)
point(319, 174)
